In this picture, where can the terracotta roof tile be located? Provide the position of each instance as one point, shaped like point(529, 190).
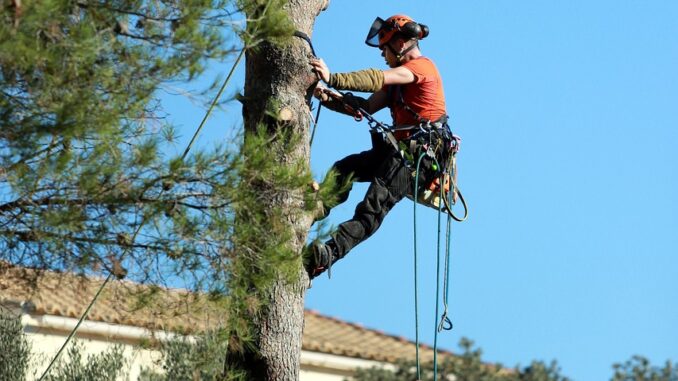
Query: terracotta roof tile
point(66, 294)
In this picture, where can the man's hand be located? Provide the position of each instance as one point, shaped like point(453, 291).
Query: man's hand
point(320, 92)
point(320, 68)
point(354, 102)
point(324, 94)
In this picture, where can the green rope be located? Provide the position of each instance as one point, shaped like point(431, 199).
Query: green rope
point(214, 102)
point(446, 280)
point(439, 324)
point(435, 333)
point(70, 336)
point(89, 307)
point(415, 194)
point(315, 123)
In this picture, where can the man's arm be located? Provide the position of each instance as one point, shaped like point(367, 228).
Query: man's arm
point(377, 101)
point(398, 76)
point(374, 103)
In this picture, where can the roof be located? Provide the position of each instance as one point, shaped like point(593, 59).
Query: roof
point(156, 308)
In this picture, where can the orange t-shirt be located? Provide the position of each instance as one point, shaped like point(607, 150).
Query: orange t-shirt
point(425, 95)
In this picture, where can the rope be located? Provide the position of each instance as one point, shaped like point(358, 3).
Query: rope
point(143, 222)
point(452, 171)
point(315, 122)
point(416, 287)
point(435, 333)
point(214, 102)
point(444, 323)
point(70, 336)
point(305, 37)
point(89, 307)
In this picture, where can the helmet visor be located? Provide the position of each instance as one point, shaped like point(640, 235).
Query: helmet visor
point(373, 35)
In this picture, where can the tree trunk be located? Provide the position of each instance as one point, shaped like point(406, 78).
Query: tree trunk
point(281, 76)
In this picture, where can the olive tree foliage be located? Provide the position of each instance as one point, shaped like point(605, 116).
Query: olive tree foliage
point(16, 358)
point(201, 358)
point(639, 368)
point(467, 366)
point(86, 180)
point(15, 349)
point(108, 365)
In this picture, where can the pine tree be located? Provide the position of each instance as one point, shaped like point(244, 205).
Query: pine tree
point(268, 312)
point(87, 185)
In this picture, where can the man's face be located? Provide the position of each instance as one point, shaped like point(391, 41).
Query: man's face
point(389, 56)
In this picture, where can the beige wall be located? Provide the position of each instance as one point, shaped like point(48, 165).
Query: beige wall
point(46, 344)
point(48, 333)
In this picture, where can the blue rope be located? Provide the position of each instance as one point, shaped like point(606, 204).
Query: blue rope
point(415, 193)
point(444, 323)
point(435, 333)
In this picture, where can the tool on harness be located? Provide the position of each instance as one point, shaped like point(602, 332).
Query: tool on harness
point(435, 140)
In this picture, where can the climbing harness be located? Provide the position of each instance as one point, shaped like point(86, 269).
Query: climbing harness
point(443, 190)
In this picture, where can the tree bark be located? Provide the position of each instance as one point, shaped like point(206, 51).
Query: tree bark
point(282, 74)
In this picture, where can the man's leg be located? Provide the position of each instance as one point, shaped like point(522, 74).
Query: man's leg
point(353, 168)
point(390, 183)
point(360, 167)
point(389, 186)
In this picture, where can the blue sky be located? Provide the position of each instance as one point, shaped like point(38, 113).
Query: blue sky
point(568, 113)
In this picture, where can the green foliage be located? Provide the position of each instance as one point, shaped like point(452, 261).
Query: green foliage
point(184, 359)
point(16, 358)
point(262, 234)
point(276, 27)
point(82, 137)
point(639, 368)
point(468, 366)
point(108, 365)
point(85, 181)
point(15, 351)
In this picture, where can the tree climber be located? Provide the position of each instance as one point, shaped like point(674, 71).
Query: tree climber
point(412, 89)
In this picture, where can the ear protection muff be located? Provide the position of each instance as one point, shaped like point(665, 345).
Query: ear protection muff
point(413, 29)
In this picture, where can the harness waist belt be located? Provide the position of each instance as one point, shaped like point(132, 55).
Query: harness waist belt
point(404, 132)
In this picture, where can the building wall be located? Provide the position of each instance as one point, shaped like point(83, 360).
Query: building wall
point(48, 333)
point(46, 344)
